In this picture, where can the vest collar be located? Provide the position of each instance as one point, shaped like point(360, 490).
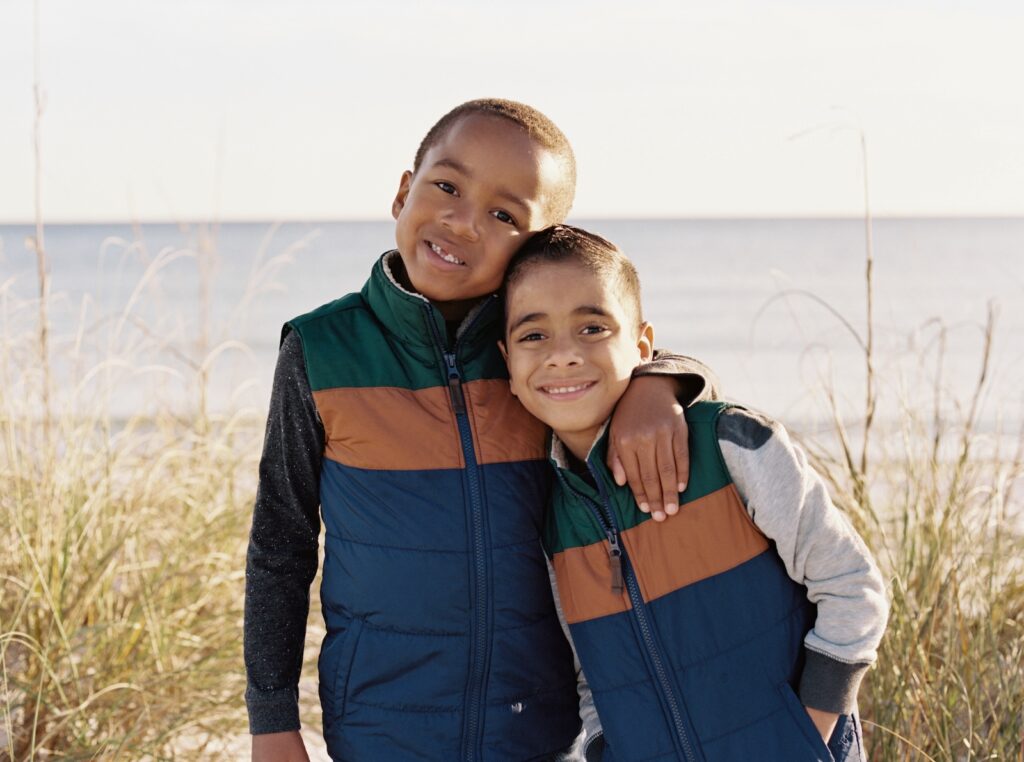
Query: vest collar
point(558, 456)
point(412, 317)
point(558, 453)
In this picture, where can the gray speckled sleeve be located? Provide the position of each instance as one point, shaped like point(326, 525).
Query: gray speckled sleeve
point(282, 557)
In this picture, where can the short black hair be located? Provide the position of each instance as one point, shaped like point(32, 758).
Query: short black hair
point(560, 244)
point(537, 126)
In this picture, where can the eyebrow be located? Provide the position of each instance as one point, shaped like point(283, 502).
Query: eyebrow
point(453, 164)
point(583, 309)
point(464, 170)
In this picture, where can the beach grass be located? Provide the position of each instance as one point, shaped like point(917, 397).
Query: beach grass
point(122, 582)
point(938, 503)
point(121, 588)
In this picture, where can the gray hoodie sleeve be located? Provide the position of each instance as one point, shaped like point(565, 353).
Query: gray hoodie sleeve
point(789, 503)
point(282, 557)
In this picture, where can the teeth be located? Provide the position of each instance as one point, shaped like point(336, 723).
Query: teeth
point(565, 389)
point(445, 255)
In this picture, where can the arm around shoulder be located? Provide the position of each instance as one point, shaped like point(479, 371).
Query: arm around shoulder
point(694, 380)
point(648, 446)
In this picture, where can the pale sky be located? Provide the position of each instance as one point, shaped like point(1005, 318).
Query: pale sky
point(203, 109)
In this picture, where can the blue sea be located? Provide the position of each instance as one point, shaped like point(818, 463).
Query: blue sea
point(777, 307)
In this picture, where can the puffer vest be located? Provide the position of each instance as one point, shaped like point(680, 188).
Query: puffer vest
point(442, 639)
point(690, 631)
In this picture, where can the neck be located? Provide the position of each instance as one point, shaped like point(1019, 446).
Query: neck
point(579, 442)
point(454, 312)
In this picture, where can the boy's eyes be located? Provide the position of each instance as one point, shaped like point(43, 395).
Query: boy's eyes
point(595, 329)
point(499, 214)
point(532, 336)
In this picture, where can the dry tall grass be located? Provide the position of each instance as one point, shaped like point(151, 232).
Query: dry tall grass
point(935, 500)
point(121, 591)
point(943, 515)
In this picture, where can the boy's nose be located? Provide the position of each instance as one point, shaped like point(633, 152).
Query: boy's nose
point(461, 222)
point(563, 354)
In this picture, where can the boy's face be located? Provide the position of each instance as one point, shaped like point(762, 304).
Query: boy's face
point(571, 347)
point(479, 193)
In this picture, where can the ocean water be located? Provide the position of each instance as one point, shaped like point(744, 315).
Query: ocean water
point(776, 307)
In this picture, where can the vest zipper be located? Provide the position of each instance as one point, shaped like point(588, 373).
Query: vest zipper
point(615, 559)
point(455, 384)
point(479, 645)
point(619, 557)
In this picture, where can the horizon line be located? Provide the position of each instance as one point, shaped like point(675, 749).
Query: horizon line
point(588, 218)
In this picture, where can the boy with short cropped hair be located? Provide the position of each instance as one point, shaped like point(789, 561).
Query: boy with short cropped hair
point(742, 627)
point(391, 413)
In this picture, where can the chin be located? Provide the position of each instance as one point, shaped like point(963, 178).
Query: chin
point(426, 286)
point(578, 427)
point(439, 295)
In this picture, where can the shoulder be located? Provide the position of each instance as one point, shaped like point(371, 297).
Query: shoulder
point(746, 428)
point(331, 311)
point(760, 455)
point(326, 317)
point(312, 334)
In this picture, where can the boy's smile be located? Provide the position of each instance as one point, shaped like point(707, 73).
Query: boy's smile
point(571, 347)
point(478, 194)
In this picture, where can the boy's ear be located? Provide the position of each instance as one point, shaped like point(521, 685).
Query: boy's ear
point(645, 342)
point(403, 192)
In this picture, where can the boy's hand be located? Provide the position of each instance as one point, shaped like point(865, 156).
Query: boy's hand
point(825, 722)
point(648, 446)
point(279, 747)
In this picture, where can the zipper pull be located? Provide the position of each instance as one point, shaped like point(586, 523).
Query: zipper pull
point(455, 384)
point(615, 561)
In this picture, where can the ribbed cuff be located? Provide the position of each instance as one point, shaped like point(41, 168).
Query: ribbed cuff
point(272, 711)
point(829, 684)
point(593, 749)
point(691, 388)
